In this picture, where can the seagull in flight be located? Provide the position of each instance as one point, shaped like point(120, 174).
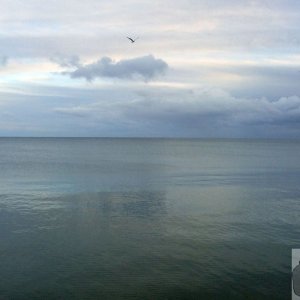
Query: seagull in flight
point(131, 39)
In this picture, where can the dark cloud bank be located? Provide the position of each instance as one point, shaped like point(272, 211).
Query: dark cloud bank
point(198, 113)
point(145, 68)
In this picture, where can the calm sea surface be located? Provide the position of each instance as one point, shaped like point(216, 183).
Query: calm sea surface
point(148, 218)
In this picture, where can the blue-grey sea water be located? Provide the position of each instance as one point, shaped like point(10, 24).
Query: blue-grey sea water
point(148, 218)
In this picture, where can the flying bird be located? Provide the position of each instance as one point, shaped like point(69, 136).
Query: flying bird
point(131, 39)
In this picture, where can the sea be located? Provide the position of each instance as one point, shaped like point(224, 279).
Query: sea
point(134, 218)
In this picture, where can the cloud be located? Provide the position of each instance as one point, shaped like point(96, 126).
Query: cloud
point(200, 112)
point(203, 108)
point(125, 110)
point(3, 61)
point(74, 111)
point(66, 61)
point(145, 67)
point(247, 47)
point(32, 29)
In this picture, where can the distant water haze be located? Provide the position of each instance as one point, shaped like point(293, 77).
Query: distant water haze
point(147, 218)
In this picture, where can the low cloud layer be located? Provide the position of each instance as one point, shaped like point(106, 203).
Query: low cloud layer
point(145, 68)
point(204, 112)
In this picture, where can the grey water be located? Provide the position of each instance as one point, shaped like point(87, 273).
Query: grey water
point(88, 218)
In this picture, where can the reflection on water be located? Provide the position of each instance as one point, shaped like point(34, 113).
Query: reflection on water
point(127, 245)
point(77, 243)
point(163, 224)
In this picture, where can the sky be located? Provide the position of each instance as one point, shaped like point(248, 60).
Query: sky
point(199, 68)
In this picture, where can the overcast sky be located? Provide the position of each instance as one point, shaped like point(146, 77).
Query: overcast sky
point(200, 68)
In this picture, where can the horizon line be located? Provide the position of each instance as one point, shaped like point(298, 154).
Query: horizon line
point(149, 137)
